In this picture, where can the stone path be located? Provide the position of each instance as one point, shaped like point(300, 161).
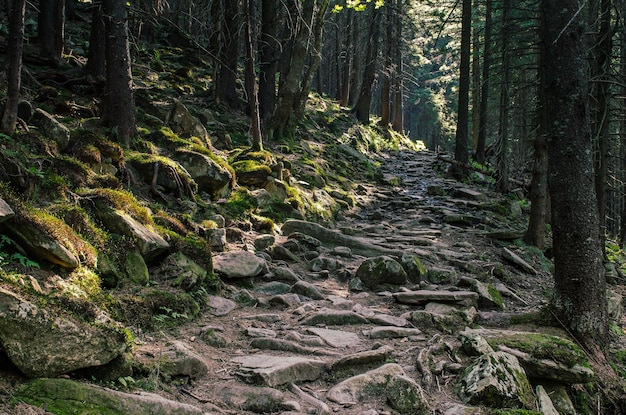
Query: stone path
point(297, 333)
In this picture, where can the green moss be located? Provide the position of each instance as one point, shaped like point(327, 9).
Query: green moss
point(121, 200)
point(495, 295)
point(240, 204)
point(543, 346)
point(250, 166)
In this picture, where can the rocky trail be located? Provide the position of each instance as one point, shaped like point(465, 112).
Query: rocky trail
point(370, 315)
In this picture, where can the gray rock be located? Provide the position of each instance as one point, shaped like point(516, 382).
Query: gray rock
point(559, 397)
point(370, 384)
point(336, 338)
point(273, 288)
point(50, 128)
point(442, 317)
point(210, 176)
point(387, 332)
point(181, 271)
point(269, 343)
point(332, 317)
point(180, 360)
point(496, 379)
point(308, 290)
point(285, 274)
point(421, 297)
point(40, 245)
point(342, 251)
point(239, 264)
point(279, 370)
point(474, 344)
point(381, 270)
point(75, 397)
point(615, 307)
point(5, 211)
point(415, 270)
point(545, 403)
point(367, 357)
point(263, 242)
point(285, 300)
point(443, 276)
point(406, 396)
point(220, 306)
point(62, 343)
point(387, 320)
point(150, 244)
point(259, 332)
point(543, 356)
point(488, 296)
point(261, 400)
point(183, 123)
point(331, 238)
point(216, 238)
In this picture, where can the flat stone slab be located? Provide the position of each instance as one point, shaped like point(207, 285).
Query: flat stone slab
point(336, 338)
point(220, 306)
point(334, 318)
point(386, 332)
point(241, 264)
point(421, 297)
point(363, 358)
point(354, 389)
point(387, 320)
point(279, 370)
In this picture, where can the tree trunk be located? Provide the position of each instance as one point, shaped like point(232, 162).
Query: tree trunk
point(315, 58)
point(603, 57)
point(119, 105)
point(348, 59)
point(457, 170)
point(226, 80)
point(253, 96)
point(580, 288)
point(536, 232)
point(385, 91)
point(15, 49)
point(291, 75)
point(96, 58)
point(269, 53)
point(475, 82)
point(398, 95)
point(364, 101)
point(484, 93)
point(502, 181)
point(51, 28)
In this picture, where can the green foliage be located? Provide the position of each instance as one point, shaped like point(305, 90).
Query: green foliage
point(9, 259)
point(240, 204)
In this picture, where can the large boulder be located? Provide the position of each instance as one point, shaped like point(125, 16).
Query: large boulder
point(42, 343)
point(239, 264)
point(186, 125)
point(211, 177)
point(374, 272)
point(496, 379)
point(64, 396)
point(369, 384)
point(150, 244)
point(181, 271)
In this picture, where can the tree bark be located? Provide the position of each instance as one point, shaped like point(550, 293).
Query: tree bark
point(96, 58)
point(580, 288)
point(51, 28)
point(119, 105)
point(484, 93)
point(315, 58)
point(502, 181)
point(269, 52)
point(226, 79)
point(292, 71)
point(398, 85)
point(364, 101)
point(385, 91)
point(253, 96)
point(15, 49)
point(603, 55)
point(462, 126)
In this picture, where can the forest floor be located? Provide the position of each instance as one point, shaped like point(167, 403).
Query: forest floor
point(415, 209)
